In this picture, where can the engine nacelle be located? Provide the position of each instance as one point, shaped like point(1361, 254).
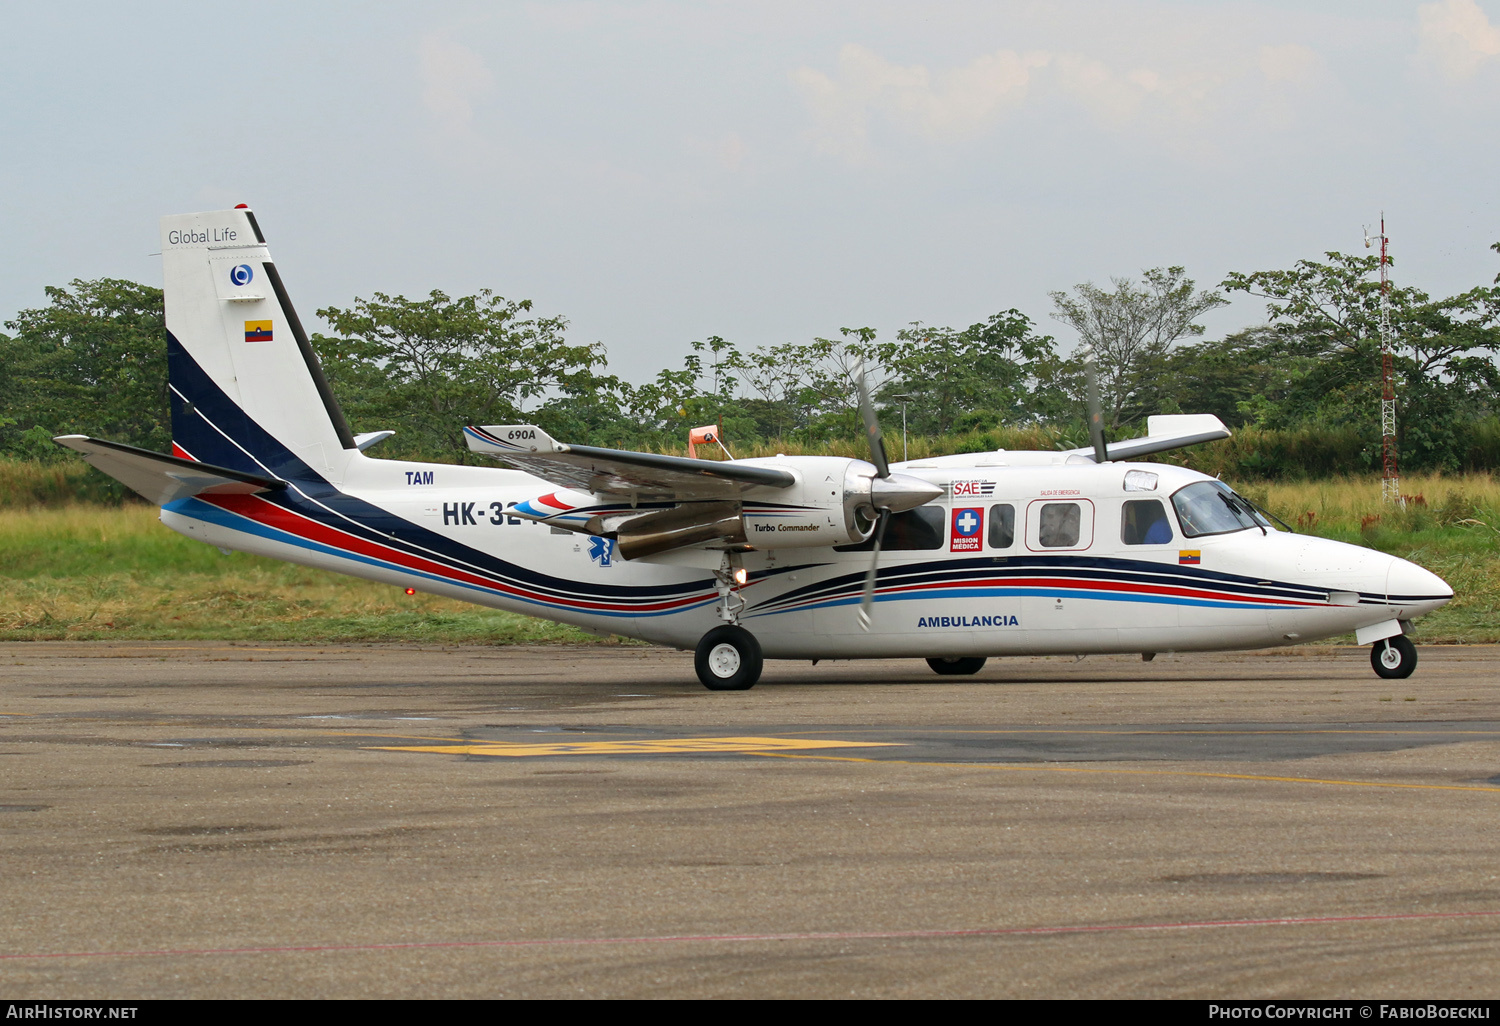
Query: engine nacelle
point(693, 523)
point(834, 502)
point(825, 506)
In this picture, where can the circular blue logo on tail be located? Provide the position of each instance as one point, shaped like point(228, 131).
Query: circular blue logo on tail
point(241, 275)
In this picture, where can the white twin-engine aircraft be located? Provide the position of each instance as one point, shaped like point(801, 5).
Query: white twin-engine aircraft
point(952, 559)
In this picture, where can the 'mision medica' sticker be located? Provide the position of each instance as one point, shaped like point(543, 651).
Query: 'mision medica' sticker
point(968, 529)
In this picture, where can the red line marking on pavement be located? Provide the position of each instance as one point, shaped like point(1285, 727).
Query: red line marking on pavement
point(542, 942)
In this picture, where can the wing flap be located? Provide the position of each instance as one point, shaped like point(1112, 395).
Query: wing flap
point(641, 475)
point(160, 478)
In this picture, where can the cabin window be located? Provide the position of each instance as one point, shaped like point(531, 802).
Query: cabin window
point(1002, 526)
point(1059, 525)
point(1052, 526)
point(1144, 522)
point(1210, 507)
point(922, 528)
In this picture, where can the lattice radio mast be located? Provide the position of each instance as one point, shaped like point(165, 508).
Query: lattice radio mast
point(1390, 477)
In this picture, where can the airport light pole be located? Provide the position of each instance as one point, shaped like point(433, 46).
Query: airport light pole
point(904, 400)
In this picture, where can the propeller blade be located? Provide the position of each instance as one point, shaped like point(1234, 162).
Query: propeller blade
point(867, 601)
point(872, 427)
point(1096, 414)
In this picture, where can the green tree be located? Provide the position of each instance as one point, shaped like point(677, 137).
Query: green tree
point(963, 375)
point(93, 361)
point(1326, 318)
point(427, 367)
point(797, 388)
point(1240, 378)
point(1131, 330)
point(777, 379)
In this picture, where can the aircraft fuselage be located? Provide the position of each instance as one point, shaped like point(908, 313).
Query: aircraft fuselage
point(1012, 560)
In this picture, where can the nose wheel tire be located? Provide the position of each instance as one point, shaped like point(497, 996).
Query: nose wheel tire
point(957, 667)
point(1394, 658)
point(728, 659)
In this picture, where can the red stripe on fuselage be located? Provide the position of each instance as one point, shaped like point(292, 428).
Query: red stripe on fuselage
point(268, 513)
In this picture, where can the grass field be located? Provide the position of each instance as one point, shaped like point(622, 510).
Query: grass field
point(90, 572)
point(85, 571)
point(1449, 525)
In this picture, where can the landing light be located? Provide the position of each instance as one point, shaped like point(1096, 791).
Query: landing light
point(741, 576)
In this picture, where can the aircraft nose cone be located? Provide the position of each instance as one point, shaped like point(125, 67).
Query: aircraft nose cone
point(1407, 583)
point(901, 492)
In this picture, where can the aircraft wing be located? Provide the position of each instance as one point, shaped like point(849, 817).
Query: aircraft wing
point(160, 478)
point(1163, 433)
point(642, 475)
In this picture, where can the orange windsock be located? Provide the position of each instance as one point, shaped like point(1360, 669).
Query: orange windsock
point(708, 434)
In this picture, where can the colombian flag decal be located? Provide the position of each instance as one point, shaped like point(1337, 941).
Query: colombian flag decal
point(1189, 557)
point(257, 331)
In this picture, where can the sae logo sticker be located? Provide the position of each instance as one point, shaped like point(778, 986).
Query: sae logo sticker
point(968, 528)
point(600, 549)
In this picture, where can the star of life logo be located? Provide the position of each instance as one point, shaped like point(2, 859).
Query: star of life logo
point(968, 525)
point(600, 550)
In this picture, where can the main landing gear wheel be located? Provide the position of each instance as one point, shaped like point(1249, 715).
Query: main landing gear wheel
point(728, 659)
point(956, 667)
point(1394, 658)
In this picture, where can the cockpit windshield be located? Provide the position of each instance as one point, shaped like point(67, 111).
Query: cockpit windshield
point(1211, 507)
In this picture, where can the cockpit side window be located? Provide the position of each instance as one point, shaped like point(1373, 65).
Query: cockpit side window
point(1144, 522)
point(1211, 507)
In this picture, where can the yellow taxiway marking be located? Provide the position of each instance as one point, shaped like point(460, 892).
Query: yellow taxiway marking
point(1042, 768)
point(663, 746)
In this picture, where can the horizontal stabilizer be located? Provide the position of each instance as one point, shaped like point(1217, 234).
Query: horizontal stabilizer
point(369, 438)
point(1164, 433)
point(160, 478)
point(641, 475)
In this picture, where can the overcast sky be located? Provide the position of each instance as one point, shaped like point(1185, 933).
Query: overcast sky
point(661, 172)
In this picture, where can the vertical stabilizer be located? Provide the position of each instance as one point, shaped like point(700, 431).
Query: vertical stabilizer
point(247, 390)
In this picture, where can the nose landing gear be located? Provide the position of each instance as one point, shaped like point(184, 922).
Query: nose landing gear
point(1394, 658)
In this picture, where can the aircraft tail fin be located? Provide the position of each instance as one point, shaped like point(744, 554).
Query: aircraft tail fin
point(248, 393)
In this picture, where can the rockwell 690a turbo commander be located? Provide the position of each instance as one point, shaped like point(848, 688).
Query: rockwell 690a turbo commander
point(954, 559)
